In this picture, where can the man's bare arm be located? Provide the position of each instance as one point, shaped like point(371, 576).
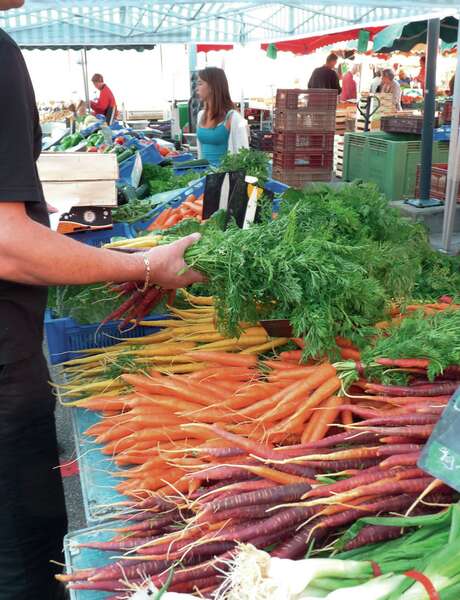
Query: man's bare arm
point(32, 254)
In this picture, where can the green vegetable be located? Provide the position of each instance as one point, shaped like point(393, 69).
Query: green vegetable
point(253, 162)
point(125, 154)
point(434, 337)
point(86, 304)
point(162, 179)
point(331, 262)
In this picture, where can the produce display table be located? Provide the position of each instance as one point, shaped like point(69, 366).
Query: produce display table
point(84, 558)
point(97, 482)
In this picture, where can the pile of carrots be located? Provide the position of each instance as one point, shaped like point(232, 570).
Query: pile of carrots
point(216, 445)
point(192, 536)
point(191, 208)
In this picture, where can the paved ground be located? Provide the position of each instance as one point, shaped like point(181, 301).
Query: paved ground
point(71, 479)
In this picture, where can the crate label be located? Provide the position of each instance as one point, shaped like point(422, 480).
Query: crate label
point(441, 455)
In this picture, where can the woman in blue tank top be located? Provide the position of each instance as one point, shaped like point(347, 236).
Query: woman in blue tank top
point(220, 128)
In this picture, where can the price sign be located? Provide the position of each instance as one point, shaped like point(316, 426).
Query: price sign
point(441, 454)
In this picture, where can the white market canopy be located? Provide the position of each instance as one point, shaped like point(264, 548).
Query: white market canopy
point(142, 24)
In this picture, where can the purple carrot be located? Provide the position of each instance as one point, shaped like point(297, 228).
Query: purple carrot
point(280, 521)
point(346, 437)
point(122, 309)
point(406, 419)
point(297, 545)
point(151, 298)
point(278, 495)
point(151, 523)
point(396, 460)
point(220, 452)
point(432, 389)
point(115, 546)
point(242, 513)
point(295, 469)
point(220, 473)
point(154, 502)
point(365, 477)
point(371, 534)
point(419, 431)
point(131, 571)
point(206, 569)
point(344, 465)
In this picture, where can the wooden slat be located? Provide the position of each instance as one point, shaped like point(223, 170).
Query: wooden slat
point(80, 193)
point(77, 166)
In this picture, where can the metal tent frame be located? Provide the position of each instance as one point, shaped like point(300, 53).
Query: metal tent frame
point(142, 23)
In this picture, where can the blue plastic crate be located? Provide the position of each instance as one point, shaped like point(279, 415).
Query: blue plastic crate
point(149, 155)
point(66, 338)
point(186, 156)
point(442, 134)
point(276, 186)
point(99, 238)
point(86, 558)
point(196, 188)
point(182, 170)
point(96, 479)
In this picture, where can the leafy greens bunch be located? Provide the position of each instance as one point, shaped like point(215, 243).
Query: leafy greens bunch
point(331, 263)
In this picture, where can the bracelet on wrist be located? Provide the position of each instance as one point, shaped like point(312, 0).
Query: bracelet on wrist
point(146, 285)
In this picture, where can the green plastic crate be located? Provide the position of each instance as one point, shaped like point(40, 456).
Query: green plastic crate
point(389, 160)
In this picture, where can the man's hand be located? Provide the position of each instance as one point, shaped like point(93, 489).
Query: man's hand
point(168, 268)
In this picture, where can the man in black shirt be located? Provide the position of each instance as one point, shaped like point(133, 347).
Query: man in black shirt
point(326, 77)
point(32, 510)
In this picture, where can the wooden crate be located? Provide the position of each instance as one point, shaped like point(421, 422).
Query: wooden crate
point(84, 179)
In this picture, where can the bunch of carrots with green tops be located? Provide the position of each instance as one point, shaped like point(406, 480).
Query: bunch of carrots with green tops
point(291, 463)
point(333, 263)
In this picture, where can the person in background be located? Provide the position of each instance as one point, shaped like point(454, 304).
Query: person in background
point(326, 77)
point(391, 86)
point(422, 73)
point(32, 509)
point(403, 79)
point(451, 85)
point(376, 82)
point(220, 128)
point(105, 105)
point(349, 87)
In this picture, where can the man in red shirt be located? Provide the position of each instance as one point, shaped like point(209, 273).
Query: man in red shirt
point(106, 104)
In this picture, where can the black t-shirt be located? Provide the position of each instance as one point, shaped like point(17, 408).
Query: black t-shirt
point(324, 78)
point(21, 306)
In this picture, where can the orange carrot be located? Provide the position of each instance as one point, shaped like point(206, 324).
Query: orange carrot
point(321, 420)
point(224, 358)
point(350, 354)
point(287, 400)
point(291, 355)
point(327, 387)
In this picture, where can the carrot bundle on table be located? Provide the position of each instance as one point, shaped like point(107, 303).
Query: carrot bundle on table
point(291, 462)
point(195, 534)
point(191, 208)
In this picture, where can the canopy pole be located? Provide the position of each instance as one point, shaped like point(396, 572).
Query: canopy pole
point(453, 173)
point(84, 66)
point(433, 32)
